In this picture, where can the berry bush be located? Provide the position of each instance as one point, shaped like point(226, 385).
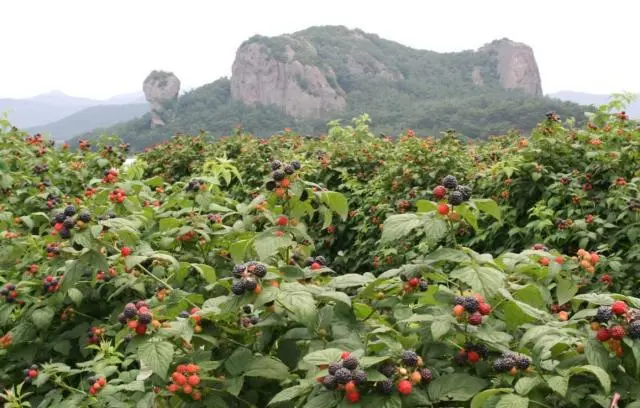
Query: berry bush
point(347, 270)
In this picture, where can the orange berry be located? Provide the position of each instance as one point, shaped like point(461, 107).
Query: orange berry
point(458, 310)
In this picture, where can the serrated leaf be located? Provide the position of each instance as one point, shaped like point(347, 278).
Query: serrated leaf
point(290, 393)
point(207, 272)
point(398, 226)
point(565, 290)
point(157, 356)
point(513, 401)
point(482, 279)
point(43, 317)
point(482, 397)
point(322, 357)
point(598, 372)
point(488, 206)
point(526, 384)
point(75, 295)
point(439, 328)
point(267, 367)
point(456, 387)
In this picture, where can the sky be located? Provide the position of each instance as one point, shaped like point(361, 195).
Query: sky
point(98, 49)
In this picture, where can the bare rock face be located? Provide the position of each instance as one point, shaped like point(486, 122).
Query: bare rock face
point(161, 89)
point(300, 90)
point(517, 66)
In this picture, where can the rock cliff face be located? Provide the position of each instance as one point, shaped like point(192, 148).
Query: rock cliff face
point(517, 66)
point(301, 90)
point(161, 89)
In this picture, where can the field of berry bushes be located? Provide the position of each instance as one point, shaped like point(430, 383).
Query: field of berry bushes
point(348, 270)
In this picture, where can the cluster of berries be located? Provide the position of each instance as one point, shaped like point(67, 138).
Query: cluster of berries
point(84, 144)
point(471, 309)
point(94, 334)
point(457, 193)
point(107, 276)
point(64, 221)
point(279, 173)
point(247, 276)
point(9, 292)
point(30, 374)
point(53, 200)
point(471, 353)
point(410, 372)
point(195, 185)
point(588, 260)
point(413, 283)
point(316, 263)
point(51, 284)
point(117, 196)
point(345, 375)
point(96, 384)
point(185, 378)
point(403, 205)
point(40, 168)
point(634, 204)
point(195, 317)
point(110, 176)
point(616, 317)
point(250, 318)
point(215, 218)
point(6, 340)
point(53, 249)
point(552, 116)
point(511, 362)
point(36, 139)
point(136, 316)
point(32, 269)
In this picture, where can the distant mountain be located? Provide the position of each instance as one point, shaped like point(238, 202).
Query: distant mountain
point(58, 98)
point(583, 98)
point(90, 118)
point(134, 97)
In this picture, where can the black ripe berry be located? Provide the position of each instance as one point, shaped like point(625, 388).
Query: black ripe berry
point(278, 175)
point(247, 309)
point(350, 363)
point(238, 287)
point(304, 196)
point(60, 217)
point(409, 358)
point(634, 329)
point(426, 375)
point(423, 285)
point(450, 182)
point(359, 377)
point(69, 222)
point(84, 217)
point(250, 285)
point(238, 270)
point(388, 370)
point(275, 165)
point(254, 320)
point(385, 387)
point(465, 191)
point(260, 270)
point(70, 211)
point(470, 304)
point(65, 233)
point(145, 317)
point(343, 375)
point(330, 382)
point(501, 365)
point(456, 198)
point(296, 165)
point(458, 300)
point(604, 314)
point(333, 367)
point(523, 362)
point(130, 310)
point(270, 185)
point(289, 169)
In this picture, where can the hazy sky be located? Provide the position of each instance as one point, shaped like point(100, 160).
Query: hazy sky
point(99, 49)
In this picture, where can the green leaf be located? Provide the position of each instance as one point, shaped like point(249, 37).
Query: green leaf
point(302, 304)
point(512, 401)
point(435, 229)
point(488, 206)
point(323, 357)
point(133, 260)
point(456, 387)
point(267, 244)
point(439, 328)
point(598, 372)
point(71, 276)
point(75, 295)
point(207, 272)
point(337, 202)
point(43, 317)
point(267, 367)
point(337, 296)
point(565, 290)
point(238, 249)
point(169, 223)
point(482, 279)
point(290, 393)
point(324, 399)
point(482, 397)
point(398, 226)
point(423, 206)
point(157, 356)
point(526, 384)
point(350, 280)
point(238, 361)
point(596, 354)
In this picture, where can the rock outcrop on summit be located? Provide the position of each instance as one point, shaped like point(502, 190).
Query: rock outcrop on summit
point(161, 90)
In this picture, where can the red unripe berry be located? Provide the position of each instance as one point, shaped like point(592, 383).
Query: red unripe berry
point(141, 329)
point(439, 192)
point(544, 261)
point(559, 260)
point(413, 282)
point(619, 307)
point(187, 389)
point(125, 251)
point(179, 378)
point(443, 209)
point(345, 354)
point(132, 324)
point(473, 357)
point(192, 368)
point(58, 227)
point(194, 380)
point(603, 334)
point(353, 396)
point(315, 266)
point(475, 319)
point(405, 387)
point(594, 258)
point(173, 387)
point(197, 395)
point(92, 390)
point(33, 373)
point(484, 308)
point(617, 332)
point(102, 381)
point(282, 221)
point(350, 387)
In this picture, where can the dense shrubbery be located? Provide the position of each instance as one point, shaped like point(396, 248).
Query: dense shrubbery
point(346, 270)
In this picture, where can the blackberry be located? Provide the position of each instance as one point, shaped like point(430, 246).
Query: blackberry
point(69, 222)
point(122, 318)
point(470, 304)
point(330, 382)
point(604, 314)
point(260, 271)
point(321, 260)
point(238, 270)
point(350, 363)
point(296, 165)
point(238, 287)
point(254, 320)
point(247, 309)
point(450, 182)
point(278, 175)
point(184, 314)
point(70, 211)
point(359, 377)
point(250, 285)
point(456, 198)
point(145, 318)
point(275, 165)
point(409, 358)
point(130, 310)
point(385, 387)
point(270, 185)
point(333, 367)
point(65, 233)
point(343, 375)
point(423, 285)
point(634, 329)
point(60, 217)
point(84, 217)
point(304, 196)
point(483, 350)
point(501, 365)
point(309, 261)
point(460, 358)
point(458, 300)
point(523, 362)
point(465, 191)
point(388, 370)
point(426, 375)
point(289, 169)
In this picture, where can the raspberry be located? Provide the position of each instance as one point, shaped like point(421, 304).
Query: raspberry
point(484, 308)
point(130, 310)
point(523, 362)
point(288, 169)
point(145, 318)
point(125, 251)
point(296, 165)
point(350, 363)
point(343, 376)
point(385, 386)
point(409, 358)
point(426, 375)
point(65, 233)
point(450, 182)
point(270, 185)
point(470, 304)
point(333, 367)
point(275, 165)
point(456, 198)
point(604, 314)
point(439, 192)
point(405, 387)
point(70, 211)
point(619, 307)
point(278, 175)
point(443, 209)
point(483, 350)
point(330, 382)
point(473, 357)
point(501, 365)
point(238, 287)
point(60, 217)
point(617, 332)
point(353, 396)
point(388, 370)
point(475, 319)
point(260, 271)
point(603, 334)
point(238, 270)
point(413, 282)
point(315, 266)
point(69, 222)
point(282, 221)
point(122, 318)
point(359, 377)
point(424, 285)
point(250, 285)
point(84, 217)
point(458, 300)
point(634, 329)
point(465, 191)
